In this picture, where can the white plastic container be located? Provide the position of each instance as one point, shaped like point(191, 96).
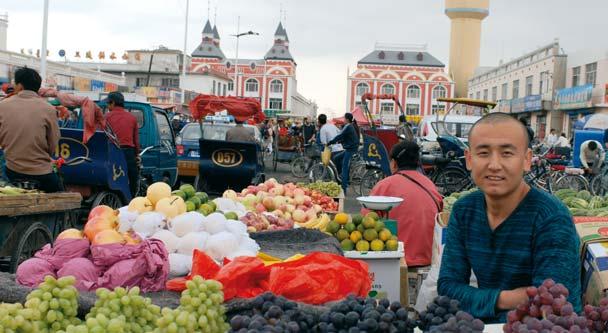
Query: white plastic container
point(384, 271)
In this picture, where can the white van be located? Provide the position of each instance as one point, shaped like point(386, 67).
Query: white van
point(429, 128)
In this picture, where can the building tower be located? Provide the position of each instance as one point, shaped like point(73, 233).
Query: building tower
point(280, 48)
point(465, 39)
point(3, 31)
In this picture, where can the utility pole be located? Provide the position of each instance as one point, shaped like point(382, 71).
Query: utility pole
point(45, 21)
point(236, 61)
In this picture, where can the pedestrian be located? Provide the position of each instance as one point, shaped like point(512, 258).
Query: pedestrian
point(308, 130)
point(416, 216)
point(349, 138)
point(563, 141)
point(328, 132)
point(552, 138)
point(124, 124)
point(510, 235)
point(29, 133)
point(592, 156)
point(404, 129)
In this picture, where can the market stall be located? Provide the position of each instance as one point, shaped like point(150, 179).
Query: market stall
point(30, 219)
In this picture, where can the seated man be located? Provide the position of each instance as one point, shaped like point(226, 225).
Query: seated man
point(240, 133)
point(592, 156)
point(416, 216)
point(510, 235)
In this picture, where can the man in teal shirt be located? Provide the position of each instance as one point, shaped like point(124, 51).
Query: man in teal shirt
point(510, 235)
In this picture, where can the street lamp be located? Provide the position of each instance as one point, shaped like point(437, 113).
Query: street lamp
point(236, 65)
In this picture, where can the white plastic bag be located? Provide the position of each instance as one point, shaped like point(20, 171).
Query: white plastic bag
point(168, 238)
point(221, 245)
point(215, 223)
point(193, 240)
point(148, 223)
point(237, 228)
point(187, 223)
point(126, 219)
point(179, 264)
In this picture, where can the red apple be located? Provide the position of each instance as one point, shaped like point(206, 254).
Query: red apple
point(260, 208)
point(98, 224)
point(103, 211)
point(108, 237)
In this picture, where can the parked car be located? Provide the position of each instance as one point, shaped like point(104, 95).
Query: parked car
point(187, 143)
point(429, 128)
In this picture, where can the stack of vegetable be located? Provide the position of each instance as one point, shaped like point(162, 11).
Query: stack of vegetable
point(583, 203)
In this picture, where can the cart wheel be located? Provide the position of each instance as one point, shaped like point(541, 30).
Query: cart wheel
point(35, 237)
point(109, 199)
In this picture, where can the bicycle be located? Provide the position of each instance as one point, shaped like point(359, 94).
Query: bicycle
point(301, 165)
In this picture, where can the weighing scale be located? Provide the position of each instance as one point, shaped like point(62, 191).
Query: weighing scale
point(382, 206)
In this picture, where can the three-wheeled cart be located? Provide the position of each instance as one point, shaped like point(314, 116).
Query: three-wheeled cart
point(29, 221)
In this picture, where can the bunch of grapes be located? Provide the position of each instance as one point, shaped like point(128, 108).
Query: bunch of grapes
point(439, 312)
point(460, 322)
point(546, 310)
point(331, 189)
point(271, 313)
point(597, 316)
point(120, 310)
point(357, 314)
point(51, 307)
point(201, 309)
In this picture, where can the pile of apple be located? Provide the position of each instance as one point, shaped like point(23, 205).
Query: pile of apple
point(287, 201)
point(102, 228)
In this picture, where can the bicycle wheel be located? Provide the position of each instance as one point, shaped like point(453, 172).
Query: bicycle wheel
point(452, 180)
point(299, 166)
point(356, 174)
point(369, 180)
point(599, 184)
point(574, 182)
point(320, 172)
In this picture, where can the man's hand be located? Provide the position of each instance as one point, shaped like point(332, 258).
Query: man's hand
point(510, 299)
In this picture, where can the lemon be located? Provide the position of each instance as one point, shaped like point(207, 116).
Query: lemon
point(392, 245)
point(342, 235)
point(377, 245)
point(355, 236)
point(362, 246)
point(370, 235)
point(341, 218)
point(369, 223)
point(347, 245)
point(384, 235)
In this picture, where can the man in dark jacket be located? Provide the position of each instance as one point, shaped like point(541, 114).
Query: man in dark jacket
point(349, 138)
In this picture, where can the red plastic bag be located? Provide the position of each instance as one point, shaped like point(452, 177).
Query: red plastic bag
point(244, 277)
point(32, 272)
point(85, 272)
point(63, 250)
point(319, 278)
point(202, 265)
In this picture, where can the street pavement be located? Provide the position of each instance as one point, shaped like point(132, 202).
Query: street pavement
point(283, 175)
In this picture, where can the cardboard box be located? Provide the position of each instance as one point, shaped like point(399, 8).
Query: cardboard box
point(594, 252)
point(384, 266)
point(403, 282)
point(439, 235)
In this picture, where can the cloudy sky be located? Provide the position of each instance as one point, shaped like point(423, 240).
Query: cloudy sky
point(327, 37)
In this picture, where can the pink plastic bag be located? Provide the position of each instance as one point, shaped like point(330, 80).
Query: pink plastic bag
point(32, 272)
point(63, 250)
point(109, 254)
point(148, 270)
point(85, 272)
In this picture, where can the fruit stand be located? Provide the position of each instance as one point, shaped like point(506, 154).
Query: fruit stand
point(29, 219)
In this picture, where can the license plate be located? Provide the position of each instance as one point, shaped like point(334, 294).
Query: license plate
point(194, 153)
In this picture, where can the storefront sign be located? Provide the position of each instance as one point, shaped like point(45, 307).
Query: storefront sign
point(574, 98)
point(97, 85)
point(504, 106)
point(82, 84)
point(518, 105)
point(533, 103)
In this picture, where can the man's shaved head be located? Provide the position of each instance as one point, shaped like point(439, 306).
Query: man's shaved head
point(496, 118)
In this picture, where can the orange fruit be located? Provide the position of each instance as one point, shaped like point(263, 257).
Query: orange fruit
point(341, 218)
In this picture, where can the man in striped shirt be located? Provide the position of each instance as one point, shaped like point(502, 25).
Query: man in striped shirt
point(510, 235)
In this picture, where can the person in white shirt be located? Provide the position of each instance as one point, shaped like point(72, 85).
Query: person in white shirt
point(552, 138)
point(562, 141)
point(328, 132)
point(592, 156)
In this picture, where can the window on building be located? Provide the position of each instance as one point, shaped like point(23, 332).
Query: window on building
point(230, 86)
point(494, 94)
point(478, 95)
point(219, 88)
point(387, 108)
point(515, 89)
point(169, 82)
point(276, 86)
point(224, 92)
point(276, 103)
point(388, 89)
point(362, 88)
point(141, 81)
point(437, 108)
point(439, 92)
point(251, 85)
point(543, 84)
point(412, 109)
point(529, 85)
point(485, 94)
point(213, 88)
point(413, 91)
point(590, 73)
point(576, 76)
point(504, 90)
